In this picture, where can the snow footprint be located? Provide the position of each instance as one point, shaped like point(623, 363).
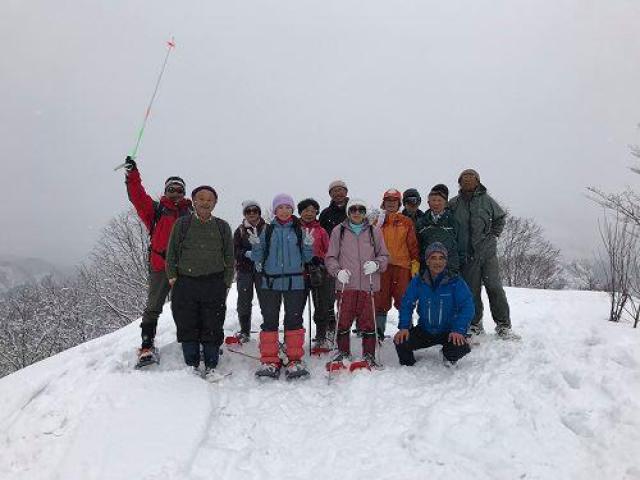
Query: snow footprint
point(572, 378)
point(578, 423)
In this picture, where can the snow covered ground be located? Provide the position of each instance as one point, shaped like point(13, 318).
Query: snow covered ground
point(561, 404)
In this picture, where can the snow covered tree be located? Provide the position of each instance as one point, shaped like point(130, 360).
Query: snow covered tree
point(117, 272)
point(526, 258)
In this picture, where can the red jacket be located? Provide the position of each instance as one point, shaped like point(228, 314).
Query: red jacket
point(165, 212)
point(320, 237)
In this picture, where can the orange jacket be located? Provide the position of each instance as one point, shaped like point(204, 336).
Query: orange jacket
point(400, 238)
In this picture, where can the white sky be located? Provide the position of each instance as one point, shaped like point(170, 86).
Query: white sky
point(259, 97)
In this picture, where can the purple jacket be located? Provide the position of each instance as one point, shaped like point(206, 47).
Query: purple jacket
point(349, 251)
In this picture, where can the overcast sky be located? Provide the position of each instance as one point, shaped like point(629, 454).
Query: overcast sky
point(264, 96)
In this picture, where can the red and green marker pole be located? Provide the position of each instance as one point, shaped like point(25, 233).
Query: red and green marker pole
point(171, 44)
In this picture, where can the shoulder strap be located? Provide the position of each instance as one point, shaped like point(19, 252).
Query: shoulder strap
point(219, 225)
point(373, 240)
point(268, 231)
point(298, 229)
point(185, 224)
point(157, 213)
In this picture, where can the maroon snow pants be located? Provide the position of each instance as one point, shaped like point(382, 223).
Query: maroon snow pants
point(356, 304)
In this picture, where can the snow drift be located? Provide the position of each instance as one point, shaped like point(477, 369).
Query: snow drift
point(561, 404)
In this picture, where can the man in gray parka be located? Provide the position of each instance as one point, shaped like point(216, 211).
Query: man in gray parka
point(481, 222)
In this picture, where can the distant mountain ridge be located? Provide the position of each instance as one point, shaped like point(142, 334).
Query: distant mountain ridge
point(16, 271)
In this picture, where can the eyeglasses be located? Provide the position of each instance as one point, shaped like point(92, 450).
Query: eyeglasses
point(175, 190)
point(361, 210)
point(251, 211)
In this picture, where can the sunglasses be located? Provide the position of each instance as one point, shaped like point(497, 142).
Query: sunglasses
point(362, 210)
point(251, 211)
point(412, 200)
point(175, 190)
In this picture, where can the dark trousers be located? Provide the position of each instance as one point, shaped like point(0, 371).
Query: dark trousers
point(270, 302)
point(418, 339)
point(487, 272)
point(199, 308)
point(191, 353)
point(246, 282)
point(157, 292)
point(323, 314)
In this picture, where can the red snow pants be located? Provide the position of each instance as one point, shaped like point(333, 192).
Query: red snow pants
point(393, 283)
point(356, 304)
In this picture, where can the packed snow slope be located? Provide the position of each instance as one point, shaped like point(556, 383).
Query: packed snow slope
point(560, 404)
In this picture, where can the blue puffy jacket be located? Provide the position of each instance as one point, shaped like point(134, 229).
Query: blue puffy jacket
point(285, 264)
point(445, 304)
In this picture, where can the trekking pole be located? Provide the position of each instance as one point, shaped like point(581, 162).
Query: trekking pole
point(309, 308)
point(373, 309)
point(335, 331)
point(171, 44)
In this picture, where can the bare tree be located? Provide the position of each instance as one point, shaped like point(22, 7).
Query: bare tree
point(526, 258)
point(586, 274)
point(117, 272)
point(619, 240)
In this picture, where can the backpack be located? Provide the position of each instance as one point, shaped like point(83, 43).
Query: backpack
point(269, 232)
point(267, 248)
point(184, 223)
point(159, 209)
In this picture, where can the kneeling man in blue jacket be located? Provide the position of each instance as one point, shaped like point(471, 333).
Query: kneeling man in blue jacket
point(445, 310)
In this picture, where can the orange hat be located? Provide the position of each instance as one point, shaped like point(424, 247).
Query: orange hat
point(391, 193)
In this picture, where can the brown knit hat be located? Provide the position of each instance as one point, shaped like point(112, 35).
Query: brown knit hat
point(469, 171)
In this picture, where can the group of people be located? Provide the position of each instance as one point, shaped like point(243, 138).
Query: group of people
point(363, 259)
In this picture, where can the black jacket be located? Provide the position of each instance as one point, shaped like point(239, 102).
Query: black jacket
point(333, 215)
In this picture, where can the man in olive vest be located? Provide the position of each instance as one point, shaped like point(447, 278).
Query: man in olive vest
point(200, 272)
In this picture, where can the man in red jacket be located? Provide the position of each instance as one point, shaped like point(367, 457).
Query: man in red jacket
point(158, 217)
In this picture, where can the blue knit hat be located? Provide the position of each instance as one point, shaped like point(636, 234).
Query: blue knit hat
point(436, 247)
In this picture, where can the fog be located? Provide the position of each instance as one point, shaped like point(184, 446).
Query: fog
point(261, 97)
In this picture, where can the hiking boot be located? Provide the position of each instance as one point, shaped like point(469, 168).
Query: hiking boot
point(449, 363)
point(321, 346)
point(268, 370)
point(296, 369)
point(210, 375)
point(505, 333)
point(371, 361)
point(475, 330)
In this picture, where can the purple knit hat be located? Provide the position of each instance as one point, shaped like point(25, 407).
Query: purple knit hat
point(436, 247)
point(282, 199)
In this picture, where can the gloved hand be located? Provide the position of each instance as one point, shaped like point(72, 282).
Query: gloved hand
point(258, 267)
point(254, 239)
point(130, 164)
point(248, 254)
point(317, 261)
point(372, 216)
point(344, 276)
point(308, 237)
point(370, 267)
point(415, 267)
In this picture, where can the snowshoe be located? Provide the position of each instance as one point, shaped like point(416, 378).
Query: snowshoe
point(337, 362)
point(238, 338)
point(147, 356)
point(212, 376)
point(296, 369)
point(368, 362)
point(320, 347)
point(268, 370)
